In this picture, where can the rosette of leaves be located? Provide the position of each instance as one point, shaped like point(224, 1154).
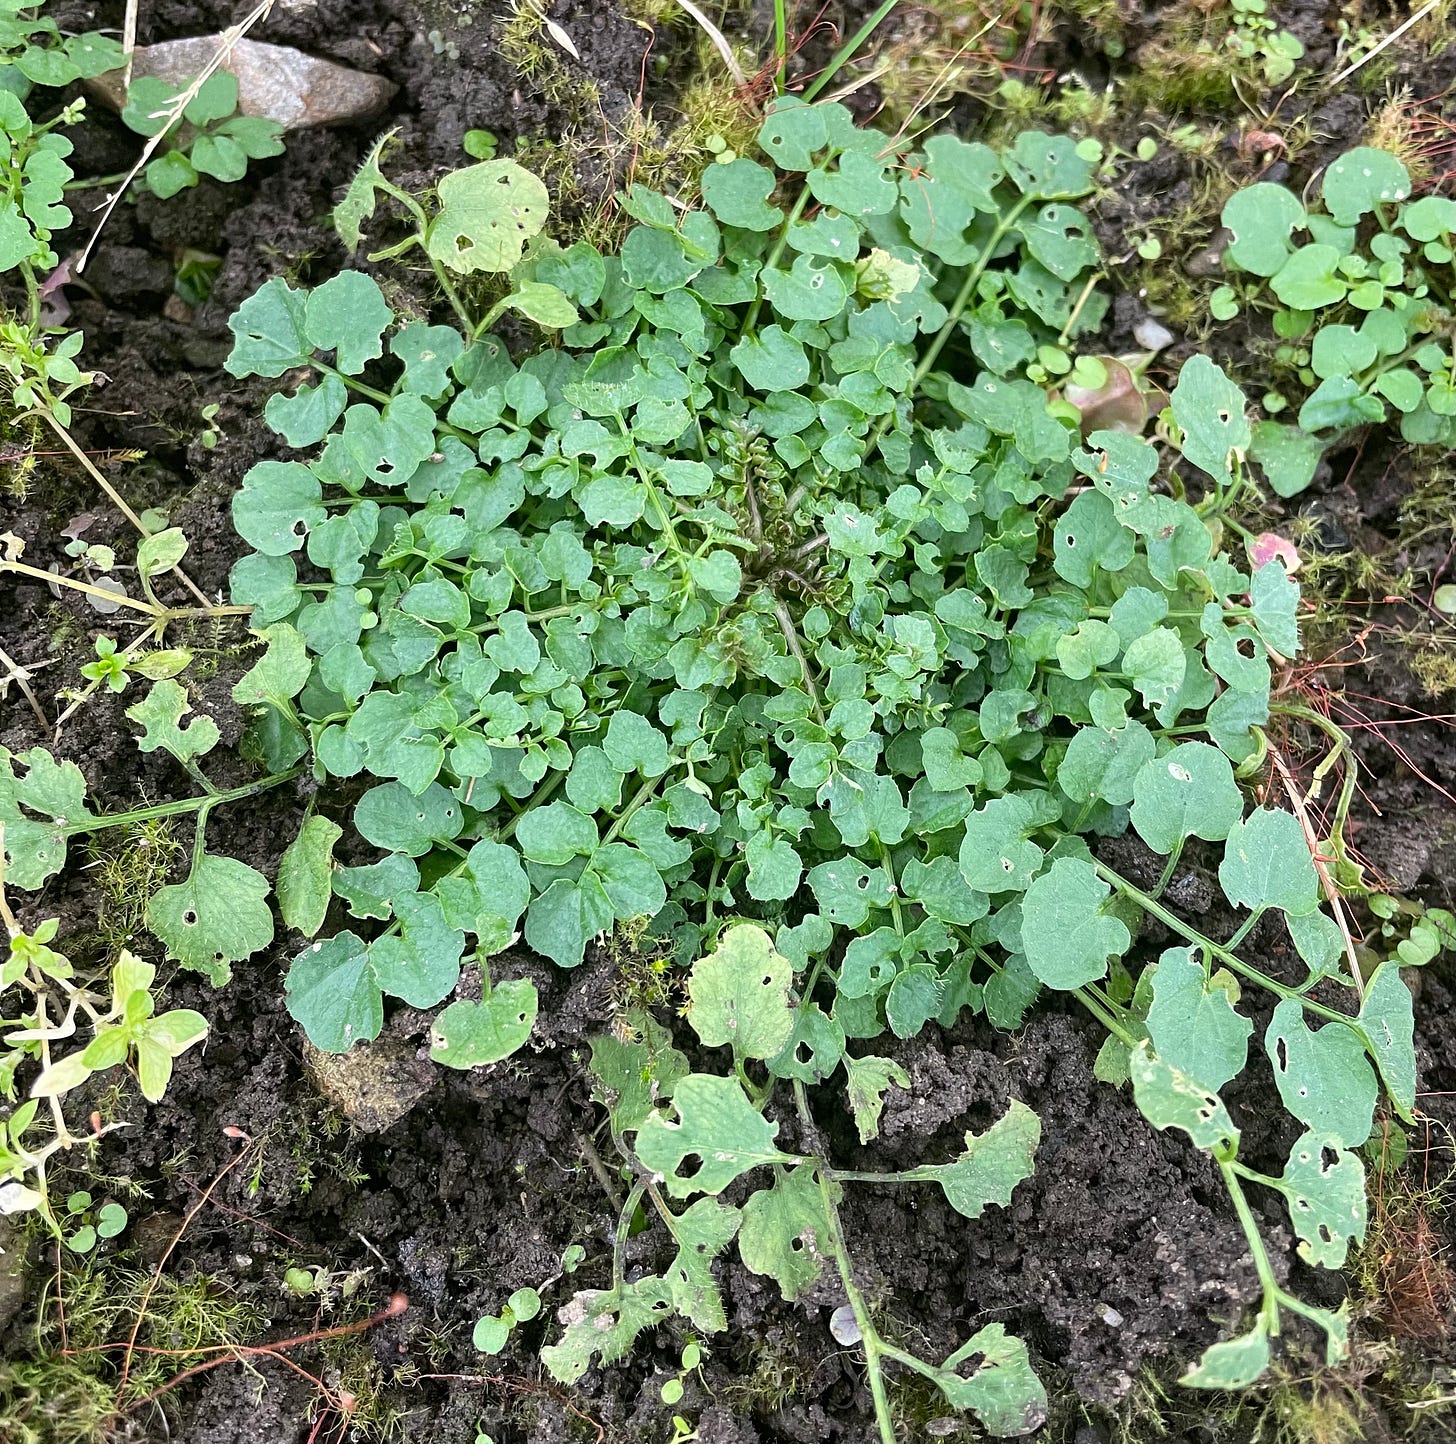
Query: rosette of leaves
point(1358, 286)
point(207, 137)
point(776, 591)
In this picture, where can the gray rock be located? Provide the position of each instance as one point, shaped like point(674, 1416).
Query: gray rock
point(1152, 335)
point(374, 1084)
point(275, 81)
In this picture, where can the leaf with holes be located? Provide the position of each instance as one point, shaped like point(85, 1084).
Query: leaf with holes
point(1187, 792)
point(468, 1034)
point(993, 1163)
point(739, 995)
point(1168, 1098)
point(1002, 1389)
point(867, 1080)
point(786, 1232)
point(717, 1126)
point(1209, 410)
point(487, 214)
point(219, 916)
point(1324, 1186)
point(1323, 1077)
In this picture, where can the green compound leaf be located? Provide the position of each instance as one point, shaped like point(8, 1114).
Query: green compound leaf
point(468, 1034)
point(702, 1232)
point(992, 1165)
point(305, 875)
point(603, 1324)
point(1324, 1078)
point(1387, 1023)
point(1324, 1186)
point(995, 855)
point(1193, 1024)
point(1234, 1363)
point(1262, 218)
point(1187, 792)
point(1168, 1098)
point(1209, 410)
point(268, 332)
point(487, 214)
point(348, 315)
point(1361, 181)
point(1002, 1390)
point(160, 713)
point(786, 1233)
point(718, 1127)
point(1267, 863)
point(1065, 934)
point(739, 995)
point(219, 916)
point(867, 1080)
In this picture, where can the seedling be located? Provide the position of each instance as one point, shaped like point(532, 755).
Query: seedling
point(89, 1227)
point(1359, 290)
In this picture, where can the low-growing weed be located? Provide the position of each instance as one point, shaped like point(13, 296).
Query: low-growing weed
point(775, 606)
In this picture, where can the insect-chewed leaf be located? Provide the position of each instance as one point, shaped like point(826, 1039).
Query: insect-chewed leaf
point(1261, 217)
point(992, 1165)
point(1002, 1390)
point(268, 334)
point(35, 850)
point(786, 1232)
point(1388, 1023)
point(219, 916)
point(160, 713)
point(1188, 792)
point(717, 1125)
point(1169, 1098)
point(632, 1076)
point(347, 315)
point(1324, 1078)
point(702, 1232)
point(468, 1034)
point(1267, 863)
point(603, 1324)
point(487, 214)
point(1232, 1364)
point(1209, 410)
point(995, 854)
point(305, 874)
point(278, 504)
point(1324, 1185)
point(867, 1081)
point(1193, 1024)
point(1066, 936)
point(814, 1048)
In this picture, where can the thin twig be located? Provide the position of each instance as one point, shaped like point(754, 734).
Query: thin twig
point(1390, 39)
point(227, 41)
point(21, 677)
point(720, 42)
point(128, 41)
point(1331, 888)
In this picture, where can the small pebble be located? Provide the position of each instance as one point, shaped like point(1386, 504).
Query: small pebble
point(1152, 335)
point(843, 1326)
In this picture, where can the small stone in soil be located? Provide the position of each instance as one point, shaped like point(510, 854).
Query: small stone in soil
point(275, 81)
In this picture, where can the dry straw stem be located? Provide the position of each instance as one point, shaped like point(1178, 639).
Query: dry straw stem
point(720, 42)
point(1390, 39)
point(21, 677)
point(229, 39)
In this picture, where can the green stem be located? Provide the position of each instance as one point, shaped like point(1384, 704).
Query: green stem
point(751, 320)
point(178, 808)
point(624, 1228)
point(870, 1341)
point(849, 49)
point(1155, 909)
point(1262, 1266)
point(781, 43)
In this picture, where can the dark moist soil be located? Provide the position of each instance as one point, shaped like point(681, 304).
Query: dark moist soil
point(1117, 1262)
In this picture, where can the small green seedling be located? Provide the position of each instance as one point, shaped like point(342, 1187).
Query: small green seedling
point(89, 1227)
point(494, 1330)
point(691, 1359)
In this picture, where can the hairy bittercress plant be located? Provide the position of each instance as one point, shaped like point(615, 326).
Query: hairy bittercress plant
point(777, 597)
point(1360, 294)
